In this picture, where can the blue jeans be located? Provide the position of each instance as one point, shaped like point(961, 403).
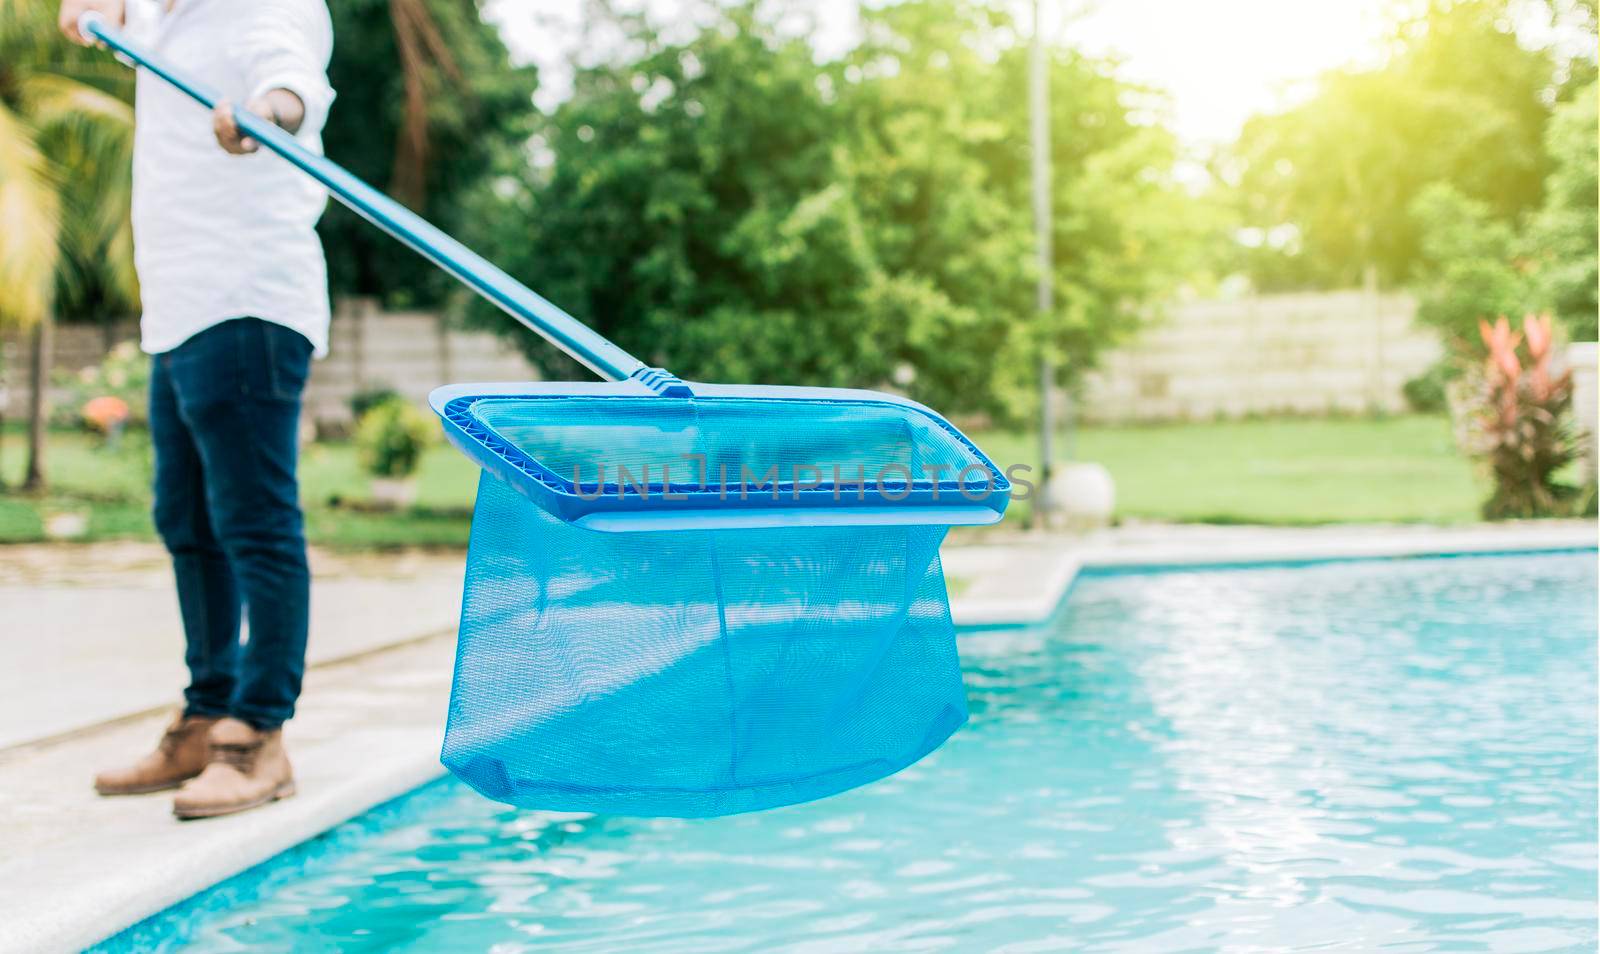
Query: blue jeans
point(225, 420)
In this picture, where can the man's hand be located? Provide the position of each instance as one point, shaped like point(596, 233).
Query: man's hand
point(71, 10)
point(279, 107)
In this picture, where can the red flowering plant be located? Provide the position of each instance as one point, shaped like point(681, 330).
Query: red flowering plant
point(123, 376)
point(107, 414)
point(1519, 421)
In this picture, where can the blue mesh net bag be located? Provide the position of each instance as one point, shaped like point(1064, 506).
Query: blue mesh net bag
point(681, 599)
point(775, 630)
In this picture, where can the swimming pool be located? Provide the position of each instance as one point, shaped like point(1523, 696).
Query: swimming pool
point(1396, 753)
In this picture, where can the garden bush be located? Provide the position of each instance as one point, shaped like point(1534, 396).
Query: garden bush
point(391, 437)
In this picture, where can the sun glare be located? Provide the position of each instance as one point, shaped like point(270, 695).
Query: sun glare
point(1219, 60)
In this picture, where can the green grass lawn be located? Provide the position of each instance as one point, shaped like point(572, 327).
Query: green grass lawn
point(1281, 471)
point(114, 488)
point(1278, 471)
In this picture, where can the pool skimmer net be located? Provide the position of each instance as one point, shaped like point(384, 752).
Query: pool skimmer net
point(682, 599)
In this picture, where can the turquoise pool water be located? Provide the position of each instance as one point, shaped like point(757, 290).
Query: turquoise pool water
point(1344, 756)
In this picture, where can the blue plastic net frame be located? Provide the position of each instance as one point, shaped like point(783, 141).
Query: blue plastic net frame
point(976, 492)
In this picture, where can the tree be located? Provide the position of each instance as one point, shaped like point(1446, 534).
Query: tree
point(1459, 101)
point(734, 210)
point(1562, 241)
point(1470, 267)
point(65, 147)
point(693, 212)
point(941, 170)
point(1475, 265)
point(426, 95)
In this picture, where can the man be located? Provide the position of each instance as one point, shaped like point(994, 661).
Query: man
point(235, 298)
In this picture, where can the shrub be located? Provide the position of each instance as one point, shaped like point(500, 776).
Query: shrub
point(368, 398)
point(106, 415)
point(123, 375)
point(1428, 392)
point(391, 438)
point(1519, 422)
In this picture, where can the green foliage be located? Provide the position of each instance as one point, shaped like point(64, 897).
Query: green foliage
point(735, 211)
point(1470, 266)
point(941, 172)
point(1476, 265)
point(123, 374)
point(1562, 237)
point(1459, 101)
point(1519, 423)
point(365, 400)
point(426, 96)
point(1429, 392)
point(66, 140)
point(391, 437)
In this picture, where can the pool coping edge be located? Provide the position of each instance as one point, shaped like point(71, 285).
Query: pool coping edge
point(1022, 582)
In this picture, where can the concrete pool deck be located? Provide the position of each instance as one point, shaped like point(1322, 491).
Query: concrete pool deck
point(78, 691)
point(99, 626)
point(76, 868)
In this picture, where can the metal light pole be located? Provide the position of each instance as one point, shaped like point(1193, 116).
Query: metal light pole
point(1039, 110)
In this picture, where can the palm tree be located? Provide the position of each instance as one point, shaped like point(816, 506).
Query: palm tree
point(66, 143)
point(422, 49)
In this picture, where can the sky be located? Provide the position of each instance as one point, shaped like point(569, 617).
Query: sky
point(1220, 61)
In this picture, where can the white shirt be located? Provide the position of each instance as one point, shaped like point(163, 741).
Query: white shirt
point(217, 236)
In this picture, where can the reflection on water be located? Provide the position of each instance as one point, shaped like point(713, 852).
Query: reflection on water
point(1342, 756)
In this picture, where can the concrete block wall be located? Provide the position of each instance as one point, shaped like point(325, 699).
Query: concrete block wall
point(1312, 353)
point(74, 347)
point(1304, 353)
point(1584, 359)
point(411, 352)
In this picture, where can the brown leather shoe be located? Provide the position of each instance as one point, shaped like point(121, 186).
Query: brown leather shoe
point(180, 757)
point(247, 768)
